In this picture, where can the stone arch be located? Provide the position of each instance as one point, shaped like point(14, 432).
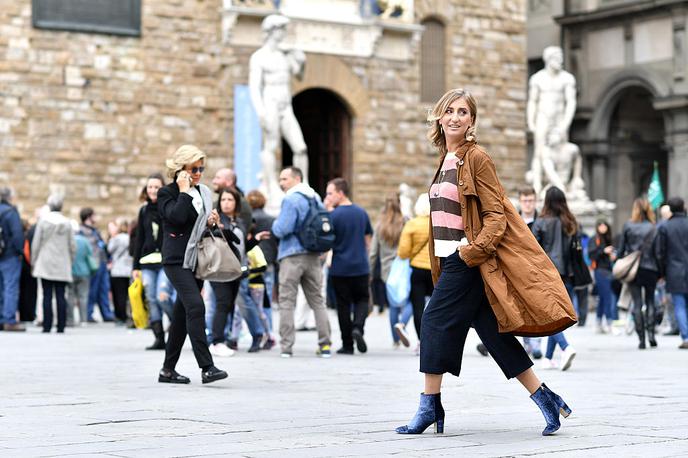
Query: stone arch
point(598, 128)
point(329, 72)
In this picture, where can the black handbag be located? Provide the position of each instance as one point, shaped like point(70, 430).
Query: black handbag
point(580, 270)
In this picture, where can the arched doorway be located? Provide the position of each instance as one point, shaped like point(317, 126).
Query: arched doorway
point(636, 141)
point(326, 125)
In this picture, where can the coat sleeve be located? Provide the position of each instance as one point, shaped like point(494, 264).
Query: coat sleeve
point(36, 243)
point(16, 231)
point(405, 242)
point(138, 241)
point(489, 193)
point(176, 211)
point(72, 244)
point(374, 251)
point(623, 242)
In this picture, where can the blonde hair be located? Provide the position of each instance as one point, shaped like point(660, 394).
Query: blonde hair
point(435, 133)
point(391, 221)
point(642, 211)
point(185, 155)
point(122, 225)
point(422, 207)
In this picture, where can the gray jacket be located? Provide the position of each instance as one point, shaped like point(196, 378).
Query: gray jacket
point(118, 247)
point(53, 248)
point(380, 249)
point(673, 252)
point(640, 236)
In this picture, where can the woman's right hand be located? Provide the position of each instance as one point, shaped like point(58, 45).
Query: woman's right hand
point(136, 274)
point(183, 181)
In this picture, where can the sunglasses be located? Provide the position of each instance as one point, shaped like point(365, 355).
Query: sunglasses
point(195, 170)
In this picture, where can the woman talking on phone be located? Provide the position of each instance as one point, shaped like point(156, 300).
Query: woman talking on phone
point(186, 209)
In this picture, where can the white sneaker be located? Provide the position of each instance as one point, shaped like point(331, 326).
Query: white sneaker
point(548, 364)
point(566, 357)
point(400, 330)
point(221, 350)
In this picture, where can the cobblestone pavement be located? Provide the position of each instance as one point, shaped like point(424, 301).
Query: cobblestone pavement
point(93, 391)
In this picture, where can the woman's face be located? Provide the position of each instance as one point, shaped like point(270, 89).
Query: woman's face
point(602, 228)
point(456, 120)
point(152, 189)
point(227, 204)
point(195, 169)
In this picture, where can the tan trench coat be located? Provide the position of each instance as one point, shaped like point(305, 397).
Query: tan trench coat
point(522, 285)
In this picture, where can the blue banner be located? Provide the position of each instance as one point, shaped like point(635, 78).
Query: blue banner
point(247, 140)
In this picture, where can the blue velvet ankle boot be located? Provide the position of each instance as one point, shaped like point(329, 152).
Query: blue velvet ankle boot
point(551, 405)
point(430, 411)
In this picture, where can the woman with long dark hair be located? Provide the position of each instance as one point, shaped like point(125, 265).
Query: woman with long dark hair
point(554, 230)
point(147, 255)
point(483, 260)
point(383, 247)
point(601, 253)
point(638, 234)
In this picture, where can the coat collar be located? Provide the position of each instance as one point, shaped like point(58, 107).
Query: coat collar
point(465, 174)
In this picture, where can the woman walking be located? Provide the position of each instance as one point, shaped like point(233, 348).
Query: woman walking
point(483, 260)
point(52, 252)
point(413, 245)
point(229, 205)
point(554, 230)
point(383, 247)
point(186, 209)
point(120, 270)
point(638, 234)
point(147, 256)
point(601, 253)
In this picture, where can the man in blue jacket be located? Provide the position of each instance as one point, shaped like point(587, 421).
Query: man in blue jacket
point(10, 261)
point(297, 266)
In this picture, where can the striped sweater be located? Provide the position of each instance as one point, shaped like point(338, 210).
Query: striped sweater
point(445, 211)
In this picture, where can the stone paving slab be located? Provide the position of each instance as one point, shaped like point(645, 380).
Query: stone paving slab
point(93, 392)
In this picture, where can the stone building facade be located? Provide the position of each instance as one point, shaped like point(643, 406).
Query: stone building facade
point(93, 114)
point(630, 58)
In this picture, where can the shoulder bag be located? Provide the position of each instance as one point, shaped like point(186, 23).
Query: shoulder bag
point(216, 260)
point(581, 273)
point(625, 269)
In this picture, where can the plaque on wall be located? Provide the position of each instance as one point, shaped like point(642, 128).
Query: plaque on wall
point(120, 17)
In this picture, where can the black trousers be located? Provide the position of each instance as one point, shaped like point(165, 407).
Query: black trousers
point(120, 293)
point(421, 287)
point(59, 287)
point(351, 293)
point(225, 297)
point(459, 302)
point(188, 317)
point(645, 282)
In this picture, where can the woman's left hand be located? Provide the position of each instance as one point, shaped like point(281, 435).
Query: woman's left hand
point(214, 218)
point(463, 242)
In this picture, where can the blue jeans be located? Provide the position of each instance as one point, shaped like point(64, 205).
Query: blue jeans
point(10, 271)
point(406, 313)
point(603, 280)
point(681, 313)
point(98, 292)
point(249, 310)
point(553, 341)
point(160, 294)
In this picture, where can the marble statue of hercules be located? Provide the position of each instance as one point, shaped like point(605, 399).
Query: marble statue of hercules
point(550, 110)
point(270, 71)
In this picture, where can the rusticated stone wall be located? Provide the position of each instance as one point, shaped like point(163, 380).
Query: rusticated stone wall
point(94, 114)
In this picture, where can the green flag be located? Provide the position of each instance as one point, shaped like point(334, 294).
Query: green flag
point(654, 191)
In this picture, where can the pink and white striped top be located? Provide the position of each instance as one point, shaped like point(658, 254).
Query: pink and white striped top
point(445, 211)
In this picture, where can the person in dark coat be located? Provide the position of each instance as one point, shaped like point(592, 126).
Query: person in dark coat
point(638, 234)
point(186, 210)
point(672, 246)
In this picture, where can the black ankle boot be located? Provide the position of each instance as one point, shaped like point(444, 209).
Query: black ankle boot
point(255, 345)
point(171, 376)
point(551, 405)
point(159, 333)
point(212, 374)
point(429, 411)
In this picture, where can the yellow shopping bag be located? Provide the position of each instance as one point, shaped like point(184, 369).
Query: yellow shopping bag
point(139, 311)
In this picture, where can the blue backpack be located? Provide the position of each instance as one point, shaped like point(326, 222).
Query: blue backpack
point(316, 233)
